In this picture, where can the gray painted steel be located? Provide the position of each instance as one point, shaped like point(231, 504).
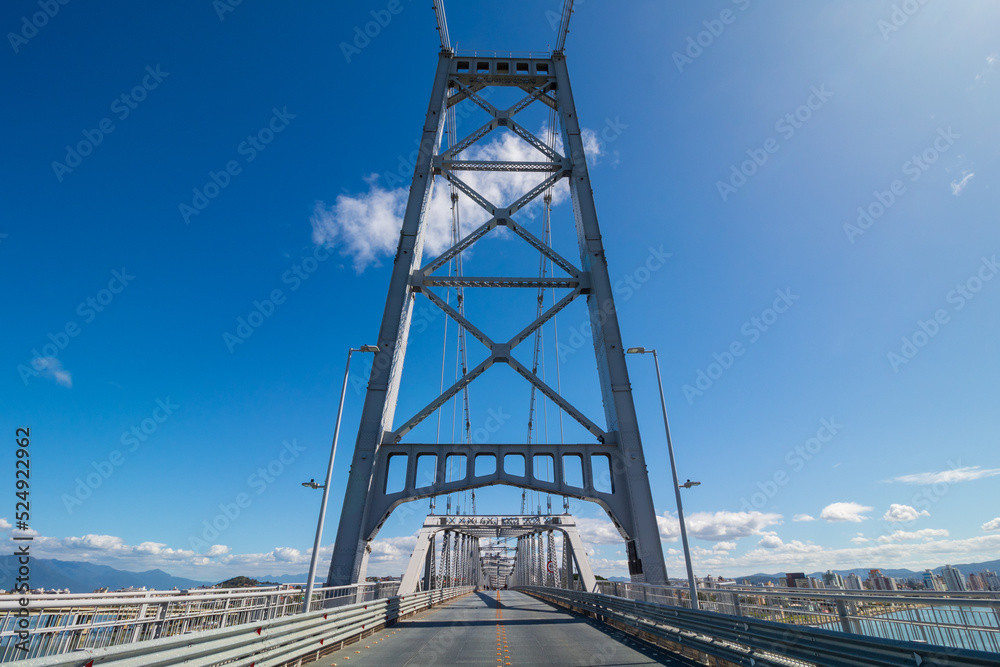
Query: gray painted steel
point(747, 641)
point(491, 527)
point(465, 632)
point(270, 643)
point(629, 504)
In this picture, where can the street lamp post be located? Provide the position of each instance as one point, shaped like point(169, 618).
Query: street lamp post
point(329, 474)
point(673, 469)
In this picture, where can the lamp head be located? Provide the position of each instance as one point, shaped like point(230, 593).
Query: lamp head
point(368, 348)
point(636, 350)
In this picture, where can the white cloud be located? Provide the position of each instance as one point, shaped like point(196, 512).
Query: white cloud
point(803, 517)
point(993, 524)
point(860, 539)
point(958, 185)
point(598, 531)
point(723, 546)
point(965, 474)
point(591, 145)
point(915, 555)
point(770, 542)
point(96, 542)
point(608, 566)
point(393, 548)
point(719, 526)
point(287, 555)
point(897, 513)
point(365, 227)
point(5, 525)
point(216, 565)
point(903, 536)
point(50, 367)
point(837, 512)
point(670, 530)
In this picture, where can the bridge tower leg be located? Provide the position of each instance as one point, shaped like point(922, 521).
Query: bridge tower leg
point(629, 503)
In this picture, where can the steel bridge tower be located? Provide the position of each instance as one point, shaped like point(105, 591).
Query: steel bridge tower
point(629, 504)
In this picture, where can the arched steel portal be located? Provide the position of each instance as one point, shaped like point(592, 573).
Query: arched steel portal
point(545, 80)
point(528, 568)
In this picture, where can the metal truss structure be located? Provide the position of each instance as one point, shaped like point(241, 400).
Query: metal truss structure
point(615, 444)
point(464, 562)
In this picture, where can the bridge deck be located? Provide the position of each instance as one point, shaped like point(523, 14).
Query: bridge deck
point(478, 629)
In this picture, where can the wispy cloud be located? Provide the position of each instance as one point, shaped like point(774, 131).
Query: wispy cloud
point(904, 536)
point(803, 517)
point(50, 367)
point(991, 61)
point(993, 524)
point(966, 474)
point(840, 512)
point(958, 185)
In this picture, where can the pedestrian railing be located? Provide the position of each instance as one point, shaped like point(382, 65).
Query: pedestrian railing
point(277, 642)
point(746, 640)
point(59, 623)
point(945, 618)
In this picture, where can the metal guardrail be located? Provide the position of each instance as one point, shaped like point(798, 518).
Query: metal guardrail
point(955, 619)
point(748, 641)
point(271, 643)
point(59, 623)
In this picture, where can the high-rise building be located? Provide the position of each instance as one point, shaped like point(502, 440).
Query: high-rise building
point(953, 579)
point(832, 580)
point(879, 582)
point(796, 580)
point(991, 580)
point(976, 583)
point(852, 582)
point(932, 582)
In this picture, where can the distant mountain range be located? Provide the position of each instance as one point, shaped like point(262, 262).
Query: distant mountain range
point(81, 577)
point(902, 573)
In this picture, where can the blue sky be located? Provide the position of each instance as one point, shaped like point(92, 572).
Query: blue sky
point(233, 154)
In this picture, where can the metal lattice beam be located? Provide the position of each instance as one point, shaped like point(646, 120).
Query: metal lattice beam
point(629, 502)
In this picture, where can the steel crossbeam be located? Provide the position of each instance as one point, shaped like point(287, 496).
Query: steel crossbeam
point(535, 537)
point(501, 353)
point(528, 136)
point(483, 281)
point(367, 503)
point(496, 165)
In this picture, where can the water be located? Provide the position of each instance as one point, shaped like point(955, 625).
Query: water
point(927, 624)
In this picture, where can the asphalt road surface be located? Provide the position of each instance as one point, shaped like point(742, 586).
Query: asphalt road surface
point(516, 630)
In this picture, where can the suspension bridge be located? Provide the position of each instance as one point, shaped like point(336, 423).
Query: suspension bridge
point(501, 588)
